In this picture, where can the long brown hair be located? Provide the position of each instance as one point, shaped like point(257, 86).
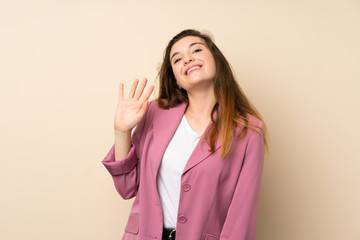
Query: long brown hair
point(231, 105)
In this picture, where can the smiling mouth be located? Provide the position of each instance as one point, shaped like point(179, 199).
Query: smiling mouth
point(191, 69)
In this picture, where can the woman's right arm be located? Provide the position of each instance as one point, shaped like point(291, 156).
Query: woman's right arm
point(121, 161)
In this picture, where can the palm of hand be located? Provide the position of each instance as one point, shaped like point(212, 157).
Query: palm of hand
point(130, 110)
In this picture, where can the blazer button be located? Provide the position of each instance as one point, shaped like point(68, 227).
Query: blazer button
point(186, 187)
point(182, 219)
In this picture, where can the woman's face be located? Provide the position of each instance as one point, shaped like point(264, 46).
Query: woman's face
point(192, 63)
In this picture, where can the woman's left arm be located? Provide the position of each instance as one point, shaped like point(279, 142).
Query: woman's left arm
point(241, 217)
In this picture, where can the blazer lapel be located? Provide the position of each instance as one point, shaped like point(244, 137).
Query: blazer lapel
point(165, 123)
point(201, 152)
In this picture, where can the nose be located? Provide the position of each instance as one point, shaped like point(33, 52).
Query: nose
point(188, 59)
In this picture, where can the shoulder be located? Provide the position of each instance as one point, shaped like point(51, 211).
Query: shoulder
point(153, 105)
point(255, 126)
point(161, 105)
point(254, 121)
point(154, 108)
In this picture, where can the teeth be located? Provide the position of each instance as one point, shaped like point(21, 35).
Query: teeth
point(193, 68)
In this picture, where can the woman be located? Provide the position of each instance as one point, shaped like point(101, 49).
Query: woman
point(195, 160)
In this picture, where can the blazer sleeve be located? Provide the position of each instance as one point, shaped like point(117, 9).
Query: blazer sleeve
point(125, 172)
point(240, 222)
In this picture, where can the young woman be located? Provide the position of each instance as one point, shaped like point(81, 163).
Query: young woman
point(194, 161)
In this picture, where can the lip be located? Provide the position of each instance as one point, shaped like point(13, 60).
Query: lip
point(188, 68)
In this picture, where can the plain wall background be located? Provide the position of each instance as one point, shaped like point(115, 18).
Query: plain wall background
point(60, 66)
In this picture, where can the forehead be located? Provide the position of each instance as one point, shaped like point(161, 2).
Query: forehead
point(185, 42)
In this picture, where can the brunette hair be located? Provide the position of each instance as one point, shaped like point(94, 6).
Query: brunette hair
point(232, 106)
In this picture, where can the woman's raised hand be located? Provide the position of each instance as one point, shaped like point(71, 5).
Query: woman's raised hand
point(130, 110)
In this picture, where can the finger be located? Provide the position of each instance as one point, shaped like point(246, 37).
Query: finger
point(141, 88)
point(121, 92)
point(133, 88)
point(143, 108)
point(147, 94)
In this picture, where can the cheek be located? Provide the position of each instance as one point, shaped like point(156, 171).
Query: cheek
point(213, 67)
point(211, 61)
point(176, 72)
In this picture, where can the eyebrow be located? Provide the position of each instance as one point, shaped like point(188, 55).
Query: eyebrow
point(192, 44)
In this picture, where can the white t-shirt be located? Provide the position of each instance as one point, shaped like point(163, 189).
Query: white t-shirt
point(172, 165)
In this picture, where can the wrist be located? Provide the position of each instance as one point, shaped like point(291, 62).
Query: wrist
point(122, 132)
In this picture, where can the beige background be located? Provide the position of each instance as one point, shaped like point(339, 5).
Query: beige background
point(60, 66)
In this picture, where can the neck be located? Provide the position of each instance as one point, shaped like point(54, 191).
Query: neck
point(201, 104)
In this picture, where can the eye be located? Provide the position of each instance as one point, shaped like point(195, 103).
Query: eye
point(177, 60)
point(197, 50)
